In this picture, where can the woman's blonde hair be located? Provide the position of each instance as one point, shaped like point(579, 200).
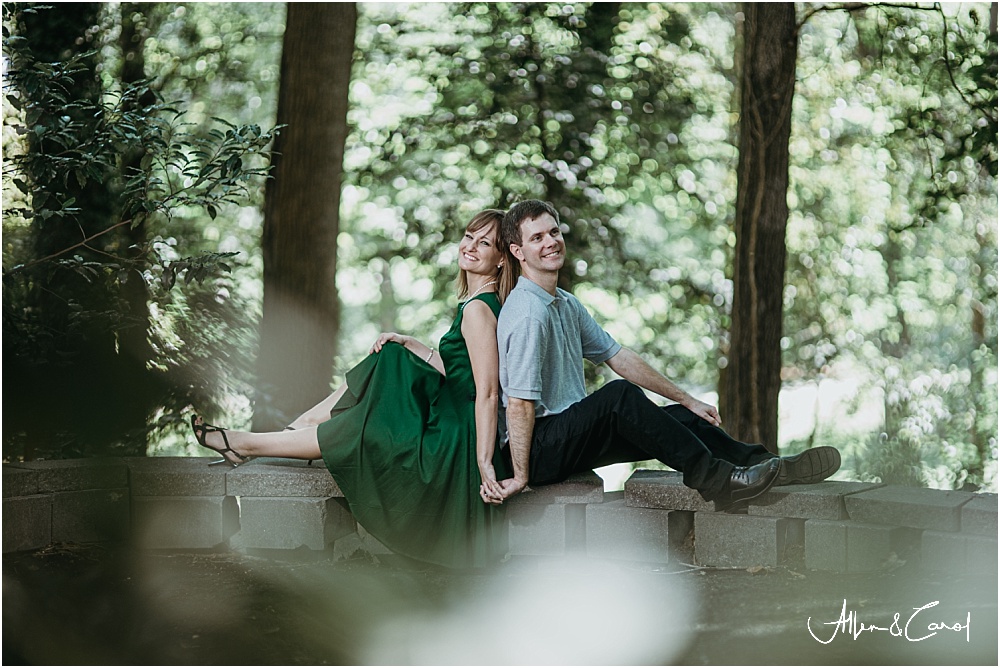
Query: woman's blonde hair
point(509, 270)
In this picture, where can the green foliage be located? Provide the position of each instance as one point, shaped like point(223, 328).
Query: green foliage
point(892, 236)
point(70, 297)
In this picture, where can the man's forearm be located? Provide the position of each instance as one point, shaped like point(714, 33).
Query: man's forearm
point(520, 428)
point(631, 367)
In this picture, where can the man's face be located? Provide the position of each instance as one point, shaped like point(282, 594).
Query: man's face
point(542, 249)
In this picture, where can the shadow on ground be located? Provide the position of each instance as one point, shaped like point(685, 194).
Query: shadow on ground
point(87, 604)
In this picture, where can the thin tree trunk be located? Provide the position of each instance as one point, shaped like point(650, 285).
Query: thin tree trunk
point(768, 79)
point(302, 212)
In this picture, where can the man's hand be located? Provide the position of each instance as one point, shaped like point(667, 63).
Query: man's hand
point(490, 490)
point(706, 412)
point(508, 488)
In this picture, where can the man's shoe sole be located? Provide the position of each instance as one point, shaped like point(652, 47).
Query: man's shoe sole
point(813, 465)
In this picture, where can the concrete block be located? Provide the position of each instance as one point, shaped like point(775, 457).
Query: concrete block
point(826, 545)
point(165, 522)
point(587, 487)
point(27, 522)
point(869, 546)
point(958, 554)
point(852, 547)
point(979, 516)
point(915, 507)
point(70, 475)
point(617, 531)
point(288, 523)
point(664, 490)
point(282, 478)
point(176, 476)
point(19, 482)
point(740, 541)
point(537, 529)
point(90, 516)
point(981, 555)
point(824, 500)
point(943, 551)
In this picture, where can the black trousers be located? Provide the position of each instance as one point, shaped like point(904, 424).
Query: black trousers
point(618, 423)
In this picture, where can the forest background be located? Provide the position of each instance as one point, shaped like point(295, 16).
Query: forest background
point(167, 247)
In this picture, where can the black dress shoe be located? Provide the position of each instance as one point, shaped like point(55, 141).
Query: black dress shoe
point(812, 465)
point(748, 482)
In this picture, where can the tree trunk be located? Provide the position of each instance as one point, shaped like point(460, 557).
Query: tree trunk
point(67, 381)
point(750, 404)
point(302, 213)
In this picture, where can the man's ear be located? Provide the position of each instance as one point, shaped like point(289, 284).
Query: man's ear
point(515, 250)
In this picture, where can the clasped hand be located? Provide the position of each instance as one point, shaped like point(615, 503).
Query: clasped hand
point(495, 492)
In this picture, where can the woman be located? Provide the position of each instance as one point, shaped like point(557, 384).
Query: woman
point(411, 434)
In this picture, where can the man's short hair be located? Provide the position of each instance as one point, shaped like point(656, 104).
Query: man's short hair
point(529, 209)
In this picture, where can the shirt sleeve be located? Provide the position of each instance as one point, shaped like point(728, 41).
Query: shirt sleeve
point(524, 350)
point(598, 345)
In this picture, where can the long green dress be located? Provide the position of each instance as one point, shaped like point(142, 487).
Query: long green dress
point(401, 444)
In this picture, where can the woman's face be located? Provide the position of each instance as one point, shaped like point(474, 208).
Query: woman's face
point(478, 252)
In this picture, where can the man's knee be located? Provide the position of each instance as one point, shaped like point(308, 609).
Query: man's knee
point(623, 390)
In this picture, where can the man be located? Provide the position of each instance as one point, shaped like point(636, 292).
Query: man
point(554, 429)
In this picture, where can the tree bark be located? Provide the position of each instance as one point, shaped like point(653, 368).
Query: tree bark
point(750, 400)
point(302, 213)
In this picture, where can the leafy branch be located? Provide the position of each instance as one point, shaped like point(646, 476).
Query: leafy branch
point(86, 140)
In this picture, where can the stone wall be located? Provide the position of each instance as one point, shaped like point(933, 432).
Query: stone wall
point(179, 503)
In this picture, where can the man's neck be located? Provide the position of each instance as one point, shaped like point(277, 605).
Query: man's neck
point(546, 281)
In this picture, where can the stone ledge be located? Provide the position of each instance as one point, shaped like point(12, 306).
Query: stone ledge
point(281, 478)
point(72, 475)
point(914, 507)
point(663, 490)
point(27, 522)
point(585, 487)
point(979, 516)
point(176, 476)
point(182, 503)
point(19, 481)
point(824, 501)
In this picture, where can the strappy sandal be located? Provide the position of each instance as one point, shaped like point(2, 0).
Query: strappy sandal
point(203, 429)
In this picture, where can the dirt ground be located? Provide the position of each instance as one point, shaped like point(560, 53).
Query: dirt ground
point(87, 605)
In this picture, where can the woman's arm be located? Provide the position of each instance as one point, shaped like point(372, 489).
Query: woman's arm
point(479, 328)
point(425, 353)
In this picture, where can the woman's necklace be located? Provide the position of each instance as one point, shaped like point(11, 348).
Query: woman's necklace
point(481, 288)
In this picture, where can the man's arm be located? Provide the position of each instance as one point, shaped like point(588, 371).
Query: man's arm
point(520, 428)
point(631, 367)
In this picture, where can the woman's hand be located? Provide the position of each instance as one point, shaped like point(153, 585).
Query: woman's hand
point(386, 337)
point(490, 490)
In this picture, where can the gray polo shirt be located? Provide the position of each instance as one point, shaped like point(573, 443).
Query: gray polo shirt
point(543, 340)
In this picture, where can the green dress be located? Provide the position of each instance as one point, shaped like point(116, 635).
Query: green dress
point(401, 444)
